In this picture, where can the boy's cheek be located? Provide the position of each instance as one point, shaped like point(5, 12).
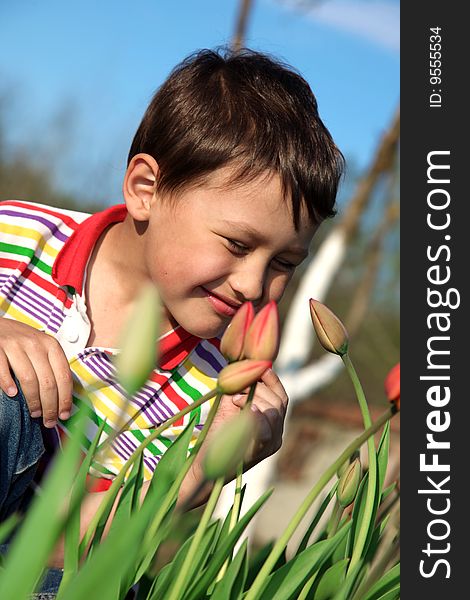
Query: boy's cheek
point(278, 286)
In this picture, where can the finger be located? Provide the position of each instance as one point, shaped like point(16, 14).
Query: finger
point(240, 399)
point(48, 393)
point(64, 380)
point(7, 383)
point(263, 392)
point(272, 381)
point(265, 430)
point(24, 371)
point(272, 411)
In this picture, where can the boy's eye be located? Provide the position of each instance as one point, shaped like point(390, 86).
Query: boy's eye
point(285, 264)
point(237, 247)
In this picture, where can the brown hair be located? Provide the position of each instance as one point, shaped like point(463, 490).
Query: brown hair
point(247, 109)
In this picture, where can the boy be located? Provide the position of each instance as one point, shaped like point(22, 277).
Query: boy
point(229, 175)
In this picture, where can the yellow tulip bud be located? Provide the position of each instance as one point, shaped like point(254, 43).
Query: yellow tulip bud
point(138, 341)
point(349, 484)
point(331, 333)
point(228, 446)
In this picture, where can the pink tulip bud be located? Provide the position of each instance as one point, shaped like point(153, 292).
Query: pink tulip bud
point(231, 344)
point(331, 333)
point(239, 375)
point(262, 338)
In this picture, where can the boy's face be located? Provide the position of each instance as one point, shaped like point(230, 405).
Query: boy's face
point(216, 247)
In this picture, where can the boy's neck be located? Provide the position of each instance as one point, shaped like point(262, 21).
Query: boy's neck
point(111, 284)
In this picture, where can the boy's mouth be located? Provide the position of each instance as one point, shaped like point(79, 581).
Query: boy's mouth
point(221, 304)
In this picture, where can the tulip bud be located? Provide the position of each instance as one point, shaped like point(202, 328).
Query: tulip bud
point(331, 333)
point(262, 338)
point(392, 386)
point(138, 341)
point(345, 466)
point(231, 344)
point(237, 376)
point(228, 446)
point(349, 484)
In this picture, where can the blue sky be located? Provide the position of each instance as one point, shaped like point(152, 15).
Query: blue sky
point(75, 78)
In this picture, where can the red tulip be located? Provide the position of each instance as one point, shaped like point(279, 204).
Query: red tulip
point(392, 385)
point(262, 338)
point(231, 344)
point(237, 376)
point(331, 333)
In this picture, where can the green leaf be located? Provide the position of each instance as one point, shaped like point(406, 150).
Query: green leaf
point(331, 580)
point(376, 538)
point(174, 567)
point(44, 522)
point(284, 583)
point(72, 530)
point(233, 579)
point(127, 500)
point(8, 526)
point(382, 456)
point(318, 515)
point(256, 562)
point(128, 504)
point(345, 591)
point(121, 547)
point(386, 583)
point(393, 594)
point(202, 583)
point(358, 514)
point(226, 524)
point(158, 495)
point(388, 490)
point(340, 551)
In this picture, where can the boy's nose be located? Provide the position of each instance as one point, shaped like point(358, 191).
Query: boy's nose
point(248, 284)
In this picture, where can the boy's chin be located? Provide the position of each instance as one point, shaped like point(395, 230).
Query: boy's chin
point(204, 330)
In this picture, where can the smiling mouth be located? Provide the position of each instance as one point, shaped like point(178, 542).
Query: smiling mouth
point(221, 305)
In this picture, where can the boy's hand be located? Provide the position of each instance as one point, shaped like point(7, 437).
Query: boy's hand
point(41, 367)
point(269, 406)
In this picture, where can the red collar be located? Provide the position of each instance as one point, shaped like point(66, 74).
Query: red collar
point(69, 265)
point(69, 269)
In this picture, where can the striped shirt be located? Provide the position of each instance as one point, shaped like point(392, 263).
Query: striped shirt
point(44, 254)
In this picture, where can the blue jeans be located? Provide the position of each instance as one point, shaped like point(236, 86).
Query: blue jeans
point(21, 447)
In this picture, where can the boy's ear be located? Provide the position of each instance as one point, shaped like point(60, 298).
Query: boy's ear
point(139, 185)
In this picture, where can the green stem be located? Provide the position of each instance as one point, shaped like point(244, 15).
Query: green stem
point(118, 480)
point(238, 489)
point(335, 519)
point(378, 569)
point(361, 538)
point(236, 498)
point(182, 578)
point(251, 394)
point(234, 516)
point(259, 582)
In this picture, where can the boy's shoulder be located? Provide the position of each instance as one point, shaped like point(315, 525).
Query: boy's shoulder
point(38, 216)
point(28, 228)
